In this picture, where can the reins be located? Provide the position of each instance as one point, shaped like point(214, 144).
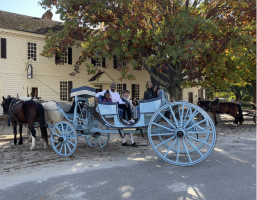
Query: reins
point(5, 122)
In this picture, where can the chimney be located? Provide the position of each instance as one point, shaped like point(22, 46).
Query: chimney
point(47, 15)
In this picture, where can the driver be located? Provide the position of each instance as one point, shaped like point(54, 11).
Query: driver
point(116, 98)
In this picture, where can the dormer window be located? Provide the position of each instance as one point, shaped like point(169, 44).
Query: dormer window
point(32, 51)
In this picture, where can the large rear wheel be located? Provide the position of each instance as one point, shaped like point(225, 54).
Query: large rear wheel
point(186, 133)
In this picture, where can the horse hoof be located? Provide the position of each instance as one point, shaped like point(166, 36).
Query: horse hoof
point(20, 143)
point(32, 149)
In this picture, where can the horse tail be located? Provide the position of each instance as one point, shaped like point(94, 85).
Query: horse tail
point(240, 116)
point(42, 122)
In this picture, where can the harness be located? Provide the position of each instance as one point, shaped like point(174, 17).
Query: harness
point(13, 104)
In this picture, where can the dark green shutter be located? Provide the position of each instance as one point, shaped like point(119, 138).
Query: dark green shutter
point(57, 58)
point(3, 48)
point(69, 55)
point(93, 61)
point(103, 63)
point(124, 87)
point(114, 62)
point(69, 90)
point(133, 91)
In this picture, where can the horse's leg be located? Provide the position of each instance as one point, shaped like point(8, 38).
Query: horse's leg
point(21, 139)
point(33, 133)
point(38, 131)
point(215, 119)
point(14, 124)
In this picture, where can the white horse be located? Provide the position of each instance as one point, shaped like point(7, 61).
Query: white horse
point(52, 115)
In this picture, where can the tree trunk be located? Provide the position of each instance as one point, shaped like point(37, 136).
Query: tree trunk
point(174, 92)
point(254, 90)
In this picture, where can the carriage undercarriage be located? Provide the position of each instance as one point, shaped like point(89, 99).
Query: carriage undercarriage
point(180, 133)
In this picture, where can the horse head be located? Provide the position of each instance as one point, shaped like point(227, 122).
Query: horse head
point(6, 104)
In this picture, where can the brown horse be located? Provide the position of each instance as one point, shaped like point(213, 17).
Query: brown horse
point(25, 112)
point(226, 108)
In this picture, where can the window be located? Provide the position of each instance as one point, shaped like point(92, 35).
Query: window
point(64, 58)
point(32, 51)
point(3, 48)
point(64, 90)
point(121, 88)
point(97, 63)
point(116, 63)
point(135, 91)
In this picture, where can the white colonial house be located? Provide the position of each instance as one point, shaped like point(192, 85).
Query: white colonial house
point(24, 72)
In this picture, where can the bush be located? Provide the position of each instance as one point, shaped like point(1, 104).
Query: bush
point(247, 98)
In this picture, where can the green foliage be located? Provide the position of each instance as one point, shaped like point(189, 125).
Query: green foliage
point(247, 98)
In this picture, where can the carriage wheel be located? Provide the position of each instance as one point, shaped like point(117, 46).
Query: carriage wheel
point(98, 140)
point(64, 138)
point(188, 137)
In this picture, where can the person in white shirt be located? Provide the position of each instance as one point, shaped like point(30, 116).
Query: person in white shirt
point(116, 98)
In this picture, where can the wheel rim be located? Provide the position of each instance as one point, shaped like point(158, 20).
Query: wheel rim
point(188, 137)
point(98, 140)
point(64, 138)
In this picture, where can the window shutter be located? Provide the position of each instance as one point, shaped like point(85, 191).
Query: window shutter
point(124, 87)
point(57, 58)
point(69, 55)
point(93, 61)
point(3, 48)
point(114, 62)
point(133, 91)
point(69, 90)
point(103, 63)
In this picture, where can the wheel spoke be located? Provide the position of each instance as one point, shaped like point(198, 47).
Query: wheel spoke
point(173, 115)
point(191, 117)
point(185, 148)
point(178, 150)
point(68, 146)
point(99, 142)
point(181, 117)
point(65, 149)
point(196, 124)
point(199, 140)
point(62, 128)
point(187, 113)
point(200, 132)
point(53, 133)
point(59, 130)
point(191, 143)
point(95, 142)
point(167, 120)
point(102, 139)
point(61, 148)
point(170, 147)
point(165, 127)
point(164, 141)
point(58, 145)
point(157, 134)
point(71, 143)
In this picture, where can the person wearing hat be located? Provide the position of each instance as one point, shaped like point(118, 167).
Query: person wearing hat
point(8, 121)
point(126, 99)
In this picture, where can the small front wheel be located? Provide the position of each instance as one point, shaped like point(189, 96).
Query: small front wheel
point(98, 140)
point(64, 138)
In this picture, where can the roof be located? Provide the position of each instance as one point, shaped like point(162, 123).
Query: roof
point(28, 24)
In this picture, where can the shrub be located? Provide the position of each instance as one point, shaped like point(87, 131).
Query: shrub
point(247, 98)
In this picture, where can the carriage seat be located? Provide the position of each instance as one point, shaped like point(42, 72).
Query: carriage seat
point(100, 100)
point(65, 106)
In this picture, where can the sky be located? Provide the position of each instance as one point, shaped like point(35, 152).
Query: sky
point(26, 7)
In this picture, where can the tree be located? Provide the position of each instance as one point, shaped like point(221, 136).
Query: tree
point(187, 44)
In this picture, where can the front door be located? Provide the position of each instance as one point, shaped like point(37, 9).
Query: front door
point(34, 92)
point(190, 97)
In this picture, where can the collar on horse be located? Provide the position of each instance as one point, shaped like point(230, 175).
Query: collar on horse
point(13, 104)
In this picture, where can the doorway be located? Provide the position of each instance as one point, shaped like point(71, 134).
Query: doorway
point(34, 92)
point(190, 97)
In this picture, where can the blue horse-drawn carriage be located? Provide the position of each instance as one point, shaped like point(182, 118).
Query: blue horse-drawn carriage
point(180, 133)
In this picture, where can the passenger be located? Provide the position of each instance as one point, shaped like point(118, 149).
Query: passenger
point(149, 91)
point(126, 99)
point(155, 91)
point(107, 96)
point(116, 98)
point(135, 102)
